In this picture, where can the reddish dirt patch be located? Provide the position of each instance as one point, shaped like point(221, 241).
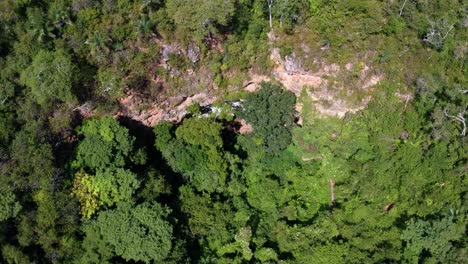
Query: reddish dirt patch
point(245, 128)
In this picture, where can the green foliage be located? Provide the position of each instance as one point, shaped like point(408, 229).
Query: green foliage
point(106, 188)
point(434, 237)
point(206, 217)
point(7, 90)
point(386, 184)
point(289, 13)
point(263, 196)
point(200, 132)
point(266, 254)
point(154, 186)
point(110, 82)
point(13, 255)
point(115, 186)
point(51, 77)
point(47, 216)
point(106, 144)
point(241, 245)
point(285, 51)
point(33, 158)
point(141, 233)
point(6, 128)
point(9, 207)
point(195, 150)
point(200, 17)
point(194, 109)
point(271, 113)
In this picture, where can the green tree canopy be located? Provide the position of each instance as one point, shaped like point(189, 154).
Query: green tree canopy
point(195, 150)
point(199, 16)
point(51, 77)
point(106, 144)
point(9, 207)
point(271, 113)
point(434, 237)
point(141, 233)
point(106, 188)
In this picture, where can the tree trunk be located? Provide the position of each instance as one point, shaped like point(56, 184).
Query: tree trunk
point(402, 7)
point(332, 193)
point(270, 3)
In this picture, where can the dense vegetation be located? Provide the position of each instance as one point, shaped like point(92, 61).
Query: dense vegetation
point(387, 184)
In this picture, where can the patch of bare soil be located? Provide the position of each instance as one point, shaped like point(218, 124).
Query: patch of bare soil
point(245, 128)
point(253, 84)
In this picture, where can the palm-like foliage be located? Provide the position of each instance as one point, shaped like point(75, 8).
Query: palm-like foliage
point(144, 26)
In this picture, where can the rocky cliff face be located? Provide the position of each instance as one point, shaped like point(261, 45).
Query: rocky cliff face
point(333, 89)
point(330, 88)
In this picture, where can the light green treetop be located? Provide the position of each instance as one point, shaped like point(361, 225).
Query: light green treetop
point(106, 144)
point(9, 207)
point(106, 188)
point(50, 76)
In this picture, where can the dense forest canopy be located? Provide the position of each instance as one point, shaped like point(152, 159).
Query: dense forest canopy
point(233, 131)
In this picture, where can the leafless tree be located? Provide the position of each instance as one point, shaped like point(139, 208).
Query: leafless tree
point(270, 5)
point(284, 4)
point(403, 7)
point(3, 100)
point(332, 193)
point(438, 32)
point(460, 117)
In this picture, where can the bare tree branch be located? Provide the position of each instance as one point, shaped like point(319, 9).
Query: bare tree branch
point(270, 4)
point(389, 206)
point(446, 34)
point(460, 117)
point(402, 7)
point(332, 193)
point(438, 32)
point(408, 98)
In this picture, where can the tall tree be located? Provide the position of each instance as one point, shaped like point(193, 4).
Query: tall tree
point(141, 233)
point(9, 207)
point(106, 188)
point(106, 144)
point(195, 150)
point(51, 77)
point(271, 113)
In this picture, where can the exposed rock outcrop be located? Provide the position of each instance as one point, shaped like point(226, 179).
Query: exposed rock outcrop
point(326, 96)
point(170, 109)
point(328, 87)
